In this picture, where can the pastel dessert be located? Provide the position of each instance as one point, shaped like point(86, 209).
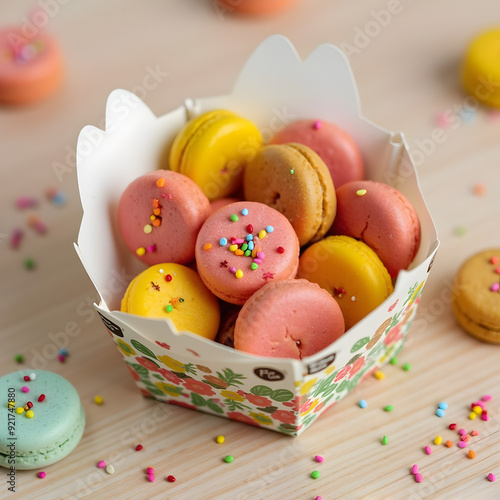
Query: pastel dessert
point(213, 149)
point(159, 216)
point(222, 202)
point(255, 7)
point(350, 271)
point(288, 319)
point(43, 419)
point(31, 66)
point(383, 218)
point(175, 292)
point(294, 180)
point(481, 71)
point(334, 145)
point(242, 246)
point(476, 295)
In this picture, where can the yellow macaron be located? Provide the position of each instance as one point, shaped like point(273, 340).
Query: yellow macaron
point(175, 292)
point(351, 271)
point(213, 149)
point(481, 68)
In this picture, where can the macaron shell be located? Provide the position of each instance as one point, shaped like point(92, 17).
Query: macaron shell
point(55, 429)
point(183, 209)
point(214, 264)
point(481, 71)
point(476, 307)
point(28, 81)
point(383, 218)
point(214, 151)
point(341, 262)
point(293, 179)
point(334, 146)
point(194, 307)
point(288, 319)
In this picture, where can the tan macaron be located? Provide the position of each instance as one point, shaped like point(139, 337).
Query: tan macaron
point(294, 180)
point(476, 296)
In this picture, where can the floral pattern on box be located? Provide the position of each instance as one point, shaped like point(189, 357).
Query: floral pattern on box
point(159, 374)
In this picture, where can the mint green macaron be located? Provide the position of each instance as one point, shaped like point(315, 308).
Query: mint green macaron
point(46, 432)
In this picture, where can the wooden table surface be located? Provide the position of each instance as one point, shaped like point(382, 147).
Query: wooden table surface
point(405, 56)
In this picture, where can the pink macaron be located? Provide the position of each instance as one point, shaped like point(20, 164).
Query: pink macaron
point(244, 245)
point(288, 319)
point(383, 218)
point(159, 216)
point(334, 146)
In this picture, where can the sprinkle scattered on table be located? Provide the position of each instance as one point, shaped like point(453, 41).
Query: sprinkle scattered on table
point(228, 459)
point(41, 474)
point(220, 439)
point(379, 375)
point(18, 358)
point(315, 474)
point(98, 400)
point(139, 447)
point(362, 403)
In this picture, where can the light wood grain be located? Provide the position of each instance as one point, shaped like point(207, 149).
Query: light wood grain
point(407, 74)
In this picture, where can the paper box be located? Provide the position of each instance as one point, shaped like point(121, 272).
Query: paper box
point(274, 88)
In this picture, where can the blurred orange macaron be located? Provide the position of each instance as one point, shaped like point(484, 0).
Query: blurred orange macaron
point(31, 66)
point(255, 7)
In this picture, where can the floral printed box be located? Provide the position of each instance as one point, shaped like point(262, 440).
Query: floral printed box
point(274, 88)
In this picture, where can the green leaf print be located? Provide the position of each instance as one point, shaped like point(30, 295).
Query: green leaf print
point(154, 390)
point(354, 358)
point(308, 420)
point(281, 395)
point(147, 382)
point(360, 343)
point(198, 400)
point(261, 390)
point(342, 386)
point(288, 428)
point(190, 368)
point(268, 409)
point(214, 406)
point(158, 376)
point(230, 377)
point(143, 348)
point(233, 405)
point(143, 372)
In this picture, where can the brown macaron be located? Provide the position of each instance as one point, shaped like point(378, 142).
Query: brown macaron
point(476, 296)
point(294, 180)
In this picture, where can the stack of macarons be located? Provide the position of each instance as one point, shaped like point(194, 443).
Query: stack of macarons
point(290, 234)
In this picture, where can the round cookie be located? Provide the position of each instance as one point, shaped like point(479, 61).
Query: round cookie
point(481, 69)
point(159, 216)
point(174, 292)
point(476, 296)
point(213, 149)
point(288, 319)
point(293, 179)
point(56, 425)
point(350, 271)
point(383, 218)
point(31, 67)
point(242, 246)
point(334, 145)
